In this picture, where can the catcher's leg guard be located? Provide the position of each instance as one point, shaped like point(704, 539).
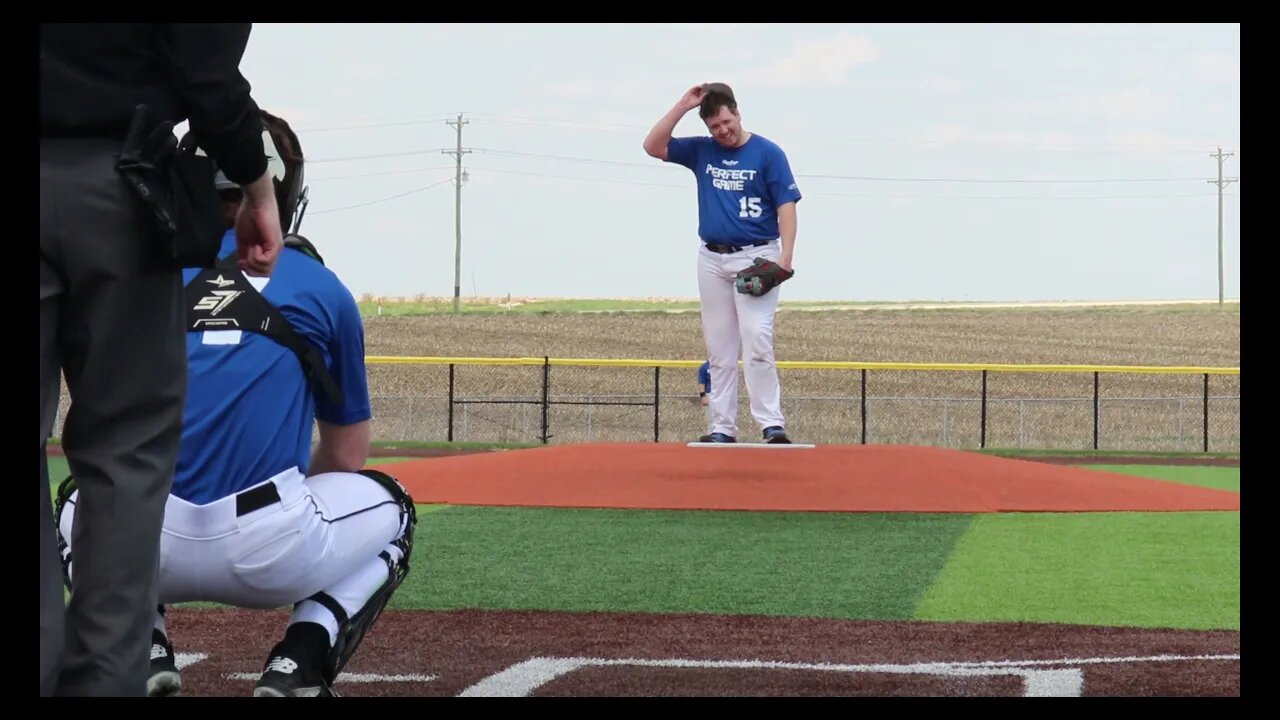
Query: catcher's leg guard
point(408, 513)
point(65, 490)
point(351, 630)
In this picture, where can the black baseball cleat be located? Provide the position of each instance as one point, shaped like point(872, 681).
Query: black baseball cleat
point(165, 680)
point(717, 438)
point(775, 435)
point(288, 676)
point(292, 671)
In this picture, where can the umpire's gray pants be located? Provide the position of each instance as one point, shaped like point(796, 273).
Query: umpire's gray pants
point(112, 322)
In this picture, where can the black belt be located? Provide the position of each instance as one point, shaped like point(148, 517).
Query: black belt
point(257, 498)
point(723, 249)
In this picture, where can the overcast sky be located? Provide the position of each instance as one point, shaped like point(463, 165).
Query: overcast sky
point(937, 162)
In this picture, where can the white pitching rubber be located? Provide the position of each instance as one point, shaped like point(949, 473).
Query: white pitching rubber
point(797, 446)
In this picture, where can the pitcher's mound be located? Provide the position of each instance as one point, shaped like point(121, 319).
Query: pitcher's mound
point(848, 478)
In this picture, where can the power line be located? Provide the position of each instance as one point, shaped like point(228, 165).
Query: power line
point(1014, 197)
point(865, 195)
point(1016, 144)
point(400, 153)
point(868, 195)
point(396, 121)
point(383, 172)
point(565, 158)
point(490, 117)
point(459, 177)
point(364, 126)
point(1045, 146)
point(381, 200)
point(882, 196)
point(575, 129)
point(816, 176)
point(988, 180)
point(622, 163)
point(550, 123)
point(574, 177)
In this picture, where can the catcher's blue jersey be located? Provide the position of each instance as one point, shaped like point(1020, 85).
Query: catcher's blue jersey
point(739, 190)
point(250, 411)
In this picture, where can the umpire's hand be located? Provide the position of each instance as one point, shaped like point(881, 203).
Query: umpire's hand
point(259, 237)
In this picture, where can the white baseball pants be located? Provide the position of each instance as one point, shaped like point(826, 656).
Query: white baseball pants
point(736, 324)
point(324, 533)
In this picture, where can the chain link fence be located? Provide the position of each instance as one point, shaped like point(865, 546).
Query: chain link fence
point(570, 401)
point(530, 400)
point(1042, 407)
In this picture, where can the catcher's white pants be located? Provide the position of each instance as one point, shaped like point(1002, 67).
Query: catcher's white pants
point(734, 323)
point(325, 533)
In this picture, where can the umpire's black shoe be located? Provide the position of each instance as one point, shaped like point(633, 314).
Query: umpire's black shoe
point(775, 435)
point(165, 680)
point(293, 668)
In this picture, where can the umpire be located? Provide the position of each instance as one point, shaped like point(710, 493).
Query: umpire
point(111, 316)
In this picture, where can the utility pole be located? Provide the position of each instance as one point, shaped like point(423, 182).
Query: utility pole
point(457, 213)
point(1221, 183)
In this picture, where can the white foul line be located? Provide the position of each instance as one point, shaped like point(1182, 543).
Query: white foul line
point(523, 678)
point(348, 677)
point(185, 659)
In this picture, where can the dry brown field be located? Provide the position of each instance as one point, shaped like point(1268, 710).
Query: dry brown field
point(1024, 409)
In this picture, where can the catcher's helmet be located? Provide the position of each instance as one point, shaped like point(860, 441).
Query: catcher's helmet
point(285, 162)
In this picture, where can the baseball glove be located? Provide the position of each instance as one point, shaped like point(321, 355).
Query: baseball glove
point(762, 277)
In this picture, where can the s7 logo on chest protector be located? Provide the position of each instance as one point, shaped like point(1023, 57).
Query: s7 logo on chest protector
point(217, 300)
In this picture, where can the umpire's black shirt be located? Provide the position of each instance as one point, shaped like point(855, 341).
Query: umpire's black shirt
point(92, 75)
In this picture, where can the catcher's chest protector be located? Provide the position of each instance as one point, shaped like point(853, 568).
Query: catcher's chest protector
point(221, 298)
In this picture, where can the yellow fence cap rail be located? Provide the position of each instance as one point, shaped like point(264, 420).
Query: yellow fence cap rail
point(806, 365)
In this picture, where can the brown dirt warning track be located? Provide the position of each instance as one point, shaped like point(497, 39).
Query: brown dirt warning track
point(845, 478)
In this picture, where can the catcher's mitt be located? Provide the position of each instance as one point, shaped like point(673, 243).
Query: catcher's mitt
point(761, 277)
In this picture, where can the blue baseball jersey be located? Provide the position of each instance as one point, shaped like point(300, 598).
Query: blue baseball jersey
point(250, 411)
point(739, 189)
point(704, 375)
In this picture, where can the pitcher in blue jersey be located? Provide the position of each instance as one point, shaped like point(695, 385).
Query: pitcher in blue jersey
point(256, 517)
point(747, 199)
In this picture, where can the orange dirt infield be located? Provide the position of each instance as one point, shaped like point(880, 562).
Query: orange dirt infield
point(845, 478)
